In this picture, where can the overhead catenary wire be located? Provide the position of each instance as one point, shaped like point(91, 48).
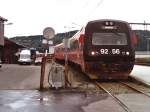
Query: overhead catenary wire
point(86, 4)
point(89, 13)
point(94, 9)
point(80, 17)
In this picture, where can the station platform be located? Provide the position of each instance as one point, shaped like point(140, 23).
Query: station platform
point(141, 73)
point(54, 101)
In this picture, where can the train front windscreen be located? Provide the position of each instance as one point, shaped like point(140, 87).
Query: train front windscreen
point(109, 39)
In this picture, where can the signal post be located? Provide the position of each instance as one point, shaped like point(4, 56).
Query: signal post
point(48, 34)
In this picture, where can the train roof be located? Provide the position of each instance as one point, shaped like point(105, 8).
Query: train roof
point(101, 20)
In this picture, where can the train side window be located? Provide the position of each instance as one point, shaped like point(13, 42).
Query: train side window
point(75, 44)
point(71, 45)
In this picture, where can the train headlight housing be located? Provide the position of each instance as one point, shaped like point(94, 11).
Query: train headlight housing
point(127, 53)
point(93, 53)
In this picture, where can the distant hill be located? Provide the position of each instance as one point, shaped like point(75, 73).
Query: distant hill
point(29, 41)
point(36, 40)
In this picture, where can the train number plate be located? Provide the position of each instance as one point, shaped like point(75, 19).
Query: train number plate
point(109, 51)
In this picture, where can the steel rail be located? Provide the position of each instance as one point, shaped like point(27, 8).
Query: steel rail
point(114, 97)
point(133, 88)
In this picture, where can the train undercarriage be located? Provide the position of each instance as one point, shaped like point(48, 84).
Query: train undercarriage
point(99, 70)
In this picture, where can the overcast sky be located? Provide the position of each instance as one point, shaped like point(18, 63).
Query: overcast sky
point(30, 17)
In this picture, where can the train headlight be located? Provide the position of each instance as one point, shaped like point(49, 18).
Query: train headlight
point(127, 53)
point(92, 53)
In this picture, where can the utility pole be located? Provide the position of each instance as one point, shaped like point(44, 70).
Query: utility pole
point(66, 45)
point(148, 47)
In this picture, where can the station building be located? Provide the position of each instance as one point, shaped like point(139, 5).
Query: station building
point(10, 51)
point(8, 48)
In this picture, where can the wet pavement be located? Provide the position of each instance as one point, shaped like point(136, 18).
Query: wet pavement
point(136, 102)
point(14, 76)
point(35, 101)
point(68, 101)
point(141, 73)
point(105, 105)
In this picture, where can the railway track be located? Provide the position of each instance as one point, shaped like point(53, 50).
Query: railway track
point(113, 96)
point(108, 87)
point(135, 89)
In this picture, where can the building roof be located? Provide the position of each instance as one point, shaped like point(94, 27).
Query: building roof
point(10, 42)
point(2, 19)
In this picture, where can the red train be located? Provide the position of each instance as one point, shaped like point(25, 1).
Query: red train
point(104, 49)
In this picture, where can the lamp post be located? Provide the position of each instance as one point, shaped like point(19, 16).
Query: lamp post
point(2, 23)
